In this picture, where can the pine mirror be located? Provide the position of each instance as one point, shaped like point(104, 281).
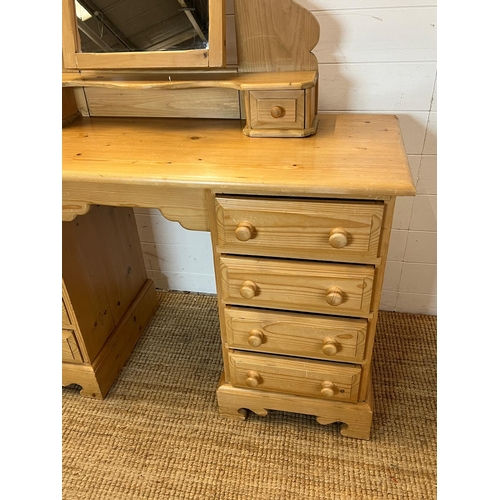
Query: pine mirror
point(142, 34)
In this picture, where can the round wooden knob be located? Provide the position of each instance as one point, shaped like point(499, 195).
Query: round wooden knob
point(253, 379)
point(330, 347)
point(334, 296)
point(327, 389)
point(338, 237)
point(244, 231)
point(277, 111)
point(255, 338)
point(248, 289)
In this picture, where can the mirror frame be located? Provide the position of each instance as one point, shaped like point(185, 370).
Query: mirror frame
point(212, 57)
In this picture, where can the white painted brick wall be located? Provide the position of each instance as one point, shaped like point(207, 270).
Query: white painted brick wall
point(375, 56)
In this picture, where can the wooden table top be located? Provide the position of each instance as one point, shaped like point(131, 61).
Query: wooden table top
point(350, 155)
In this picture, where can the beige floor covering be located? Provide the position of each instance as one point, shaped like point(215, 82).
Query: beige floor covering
point(158, 435)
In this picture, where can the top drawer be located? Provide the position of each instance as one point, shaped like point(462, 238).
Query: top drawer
point(311, 229)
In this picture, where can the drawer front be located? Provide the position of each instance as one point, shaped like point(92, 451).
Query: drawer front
point(294, 334)
point(309, 229)
point(342, 289)
point(277, 109)
point(318, 379)
point(70, 350)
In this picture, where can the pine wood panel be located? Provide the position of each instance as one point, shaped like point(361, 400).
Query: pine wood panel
point(311, 106)
point(295, 334)
point(116, 351)
point(294, 376)
point(84, 279)
point(356, 418)
point(297, 285)
point(177, 103)
point(119, 155)
point(175, 80)
point(267, 36)
point(216, 34)
point(299, 228)
point(101, 279)
point(183, 205)
point(385, 235)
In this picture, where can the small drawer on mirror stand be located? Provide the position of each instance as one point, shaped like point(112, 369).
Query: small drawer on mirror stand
point(280, 113)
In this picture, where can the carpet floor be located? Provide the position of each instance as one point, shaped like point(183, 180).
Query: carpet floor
point(158, 435)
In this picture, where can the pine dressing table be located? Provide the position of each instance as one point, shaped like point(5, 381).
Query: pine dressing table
point(299, 214)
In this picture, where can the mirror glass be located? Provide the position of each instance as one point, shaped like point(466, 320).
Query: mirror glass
point(142, 25)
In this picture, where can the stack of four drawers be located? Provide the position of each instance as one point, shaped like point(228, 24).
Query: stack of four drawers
point(295, 282)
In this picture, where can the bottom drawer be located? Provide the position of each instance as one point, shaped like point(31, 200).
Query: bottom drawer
point(318, 379)
point(70, 349)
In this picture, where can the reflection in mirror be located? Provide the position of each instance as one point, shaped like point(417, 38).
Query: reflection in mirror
point(142, 25)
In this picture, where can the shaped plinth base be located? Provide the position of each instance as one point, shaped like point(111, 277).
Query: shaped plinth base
point(355, 418)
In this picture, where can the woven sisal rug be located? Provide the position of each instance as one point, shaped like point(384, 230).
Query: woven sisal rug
point(157, 435)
